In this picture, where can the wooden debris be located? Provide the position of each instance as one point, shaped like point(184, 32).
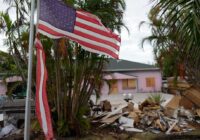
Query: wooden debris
point(171, 127)
point(198, 112)
point(193, 95)
point(147, 105)
point(98, 118)
point(106, 106)
point(129, 108)
point(159, 125)
point(186, 103)
point(133, 130)
point(134, 116)
point(176, 128)
point(111, 119)
point(179, 84)
point(174, 103)
point(152, 117)
point(116, 111)
point(151, 108)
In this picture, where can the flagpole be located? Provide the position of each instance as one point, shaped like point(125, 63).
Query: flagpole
point(28, 93)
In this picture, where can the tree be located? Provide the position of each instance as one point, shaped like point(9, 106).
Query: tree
point(180, 20)
point(167, 47)
point(16, 33)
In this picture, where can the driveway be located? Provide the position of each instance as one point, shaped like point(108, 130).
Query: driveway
point(137, 98)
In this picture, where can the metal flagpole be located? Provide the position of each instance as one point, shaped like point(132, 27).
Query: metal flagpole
point(28, 93)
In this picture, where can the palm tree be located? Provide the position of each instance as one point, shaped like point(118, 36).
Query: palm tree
point(180, 28)
point(16, 33)
point(167, 47)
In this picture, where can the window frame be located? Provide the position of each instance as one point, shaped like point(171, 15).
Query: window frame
point(150, 82)
point(128, 86)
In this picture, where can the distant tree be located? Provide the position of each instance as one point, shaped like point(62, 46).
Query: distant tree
point(167, 47)
point(16, 32)
point(7, 65)
point(175, 26)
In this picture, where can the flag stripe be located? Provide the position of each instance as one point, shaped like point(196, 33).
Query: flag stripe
point(96, 39)
point(75, 37)
point(83, 18)
point(92, 18)
point(57, 32)
point(97, 25)
point(50, 35)
point(92, 46)
point(82, 12)
point(42, 107)
point(42, 110)
point(88, 19)
point(40, 71)
point(53, 34)
point(96, 32)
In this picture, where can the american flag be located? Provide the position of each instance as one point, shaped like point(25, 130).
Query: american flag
point(42, 107)
point(57, 20)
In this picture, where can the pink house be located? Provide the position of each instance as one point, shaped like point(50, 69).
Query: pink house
point(4, 83)
point(122, 76)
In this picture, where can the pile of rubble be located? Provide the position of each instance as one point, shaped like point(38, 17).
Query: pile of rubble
point(147, 116)
point(8, 126)
point(12, 116)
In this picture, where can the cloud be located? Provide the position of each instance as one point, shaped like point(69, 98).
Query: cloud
point(137, 54)
point(2, 47)
point(137, 11)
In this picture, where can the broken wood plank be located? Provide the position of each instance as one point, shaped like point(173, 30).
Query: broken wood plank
point(111, 119)
point(171, 127)
point(116, 111)
point(132, 129)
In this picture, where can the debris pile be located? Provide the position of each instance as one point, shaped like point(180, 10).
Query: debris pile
point(8, 126)
point(12, 116)
point(176, 85)
point(151, 116)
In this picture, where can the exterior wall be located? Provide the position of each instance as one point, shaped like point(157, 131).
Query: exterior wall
point(105, 88)
point(141, 82)
point(3, 86)
point(3, 89)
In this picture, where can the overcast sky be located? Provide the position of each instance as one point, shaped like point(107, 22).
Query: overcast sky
point(137, 11)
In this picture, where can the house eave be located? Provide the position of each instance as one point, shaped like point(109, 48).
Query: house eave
point(143, 69)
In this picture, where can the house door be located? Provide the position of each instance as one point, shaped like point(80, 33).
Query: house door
point(114, 87)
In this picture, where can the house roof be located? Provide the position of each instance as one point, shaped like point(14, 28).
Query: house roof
point(11, 79)
point(125, 65)
point(118, 76)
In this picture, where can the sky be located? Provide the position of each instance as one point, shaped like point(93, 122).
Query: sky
point(131, 49)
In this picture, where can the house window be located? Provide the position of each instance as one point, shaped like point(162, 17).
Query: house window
point(129, 84)
point(150, 82)
point(114, 87)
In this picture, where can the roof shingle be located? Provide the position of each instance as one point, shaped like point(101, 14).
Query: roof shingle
point(125, 65)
